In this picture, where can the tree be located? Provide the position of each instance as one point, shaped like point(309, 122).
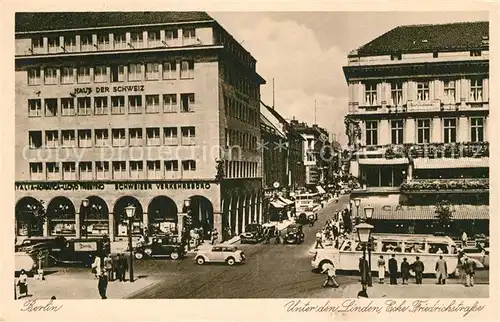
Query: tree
point(37, 217)
point(444, 214)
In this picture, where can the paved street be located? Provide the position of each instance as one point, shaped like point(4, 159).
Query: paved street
point(272, 271)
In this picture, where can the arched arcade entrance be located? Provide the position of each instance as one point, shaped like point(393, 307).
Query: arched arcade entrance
point(61, 217)
point(202, 213)
point(26, 211)
point(162, 215)
point(120, 217)
point(95, 221)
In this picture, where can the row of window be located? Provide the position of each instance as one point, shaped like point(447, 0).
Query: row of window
point(100, 170)
point(114, 41)
point(423, 92)
point(83, 138)
point(137, 104)
point(155, 169)
point(472, 53)
point(241, 110)
point(241, 82)
point(115, 73)
point(423, 131)
point(237, 138)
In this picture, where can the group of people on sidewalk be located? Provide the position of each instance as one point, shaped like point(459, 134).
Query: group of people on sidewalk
point(334, 231)
point(107, 269)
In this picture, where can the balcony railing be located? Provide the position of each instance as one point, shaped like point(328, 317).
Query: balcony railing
point(445, 184)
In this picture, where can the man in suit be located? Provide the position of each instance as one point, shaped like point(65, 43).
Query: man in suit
point(405, 271)
point(393, 270)
point(441, 270)
point(418, 268)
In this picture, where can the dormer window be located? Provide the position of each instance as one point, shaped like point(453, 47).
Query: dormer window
point(396, 57)
point(475, 53)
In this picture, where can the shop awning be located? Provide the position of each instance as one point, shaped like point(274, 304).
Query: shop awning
point(286, 201)
point(320, 189)
point(383, 161)
point(450, 163)
point(277, 204)
point(394, 212)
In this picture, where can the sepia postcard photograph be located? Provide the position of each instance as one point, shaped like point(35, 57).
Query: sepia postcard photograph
point(322, 163)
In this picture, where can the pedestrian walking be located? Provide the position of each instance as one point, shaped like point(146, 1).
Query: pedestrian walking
point(97, 266)
point(381, 269)
point(22, 284)
point(418, 268)
point(405, 271)
point(329, 270)
point(122, 267)
point(214, 236)
point(363, 270)
point(393, 270)
point(470, 268)
point(441, 270)
point(464, 239)
point(108, 267)
point(102, 285)
point(277, 235)
point(319, 240)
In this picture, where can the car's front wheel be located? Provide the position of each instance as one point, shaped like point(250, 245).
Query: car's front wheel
point(138, 256)
point(174, 255)
point(200, 260)
point(230, 261)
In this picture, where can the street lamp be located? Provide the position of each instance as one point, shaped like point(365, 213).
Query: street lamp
point(368, 215)
point(84, 212)
point(357, 203)
point(130, 211)
point(364, 232)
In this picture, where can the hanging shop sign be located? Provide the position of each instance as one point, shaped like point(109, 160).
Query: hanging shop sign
point(144, 185)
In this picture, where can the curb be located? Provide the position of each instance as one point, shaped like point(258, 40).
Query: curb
point(128, 296)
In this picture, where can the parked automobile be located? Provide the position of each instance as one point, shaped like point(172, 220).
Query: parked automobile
point(293, 234)
point(30, 241)
point(220, 254)
point(75, 251)
point(254, 233)
point(302, 219)
point(160, 246)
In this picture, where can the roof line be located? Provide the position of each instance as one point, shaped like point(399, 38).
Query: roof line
point(115, 27)
point(442, 24)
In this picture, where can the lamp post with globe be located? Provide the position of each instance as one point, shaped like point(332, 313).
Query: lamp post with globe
point(368, 215)
point(364, 234)
point(130, 212)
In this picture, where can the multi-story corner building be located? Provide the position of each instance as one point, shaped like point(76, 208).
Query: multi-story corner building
point(417, 120)
point(316, 153)
point(149, 109)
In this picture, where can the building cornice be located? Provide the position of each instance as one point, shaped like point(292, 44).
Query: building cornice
point(410, 69)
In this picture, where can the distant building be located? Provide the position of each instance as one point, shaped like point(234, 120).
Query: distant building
point(149, 109)
point(417, 124)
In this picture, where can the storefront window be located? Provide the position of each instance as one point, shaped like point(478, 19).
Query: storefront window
point(62, 221)
point(97, 222)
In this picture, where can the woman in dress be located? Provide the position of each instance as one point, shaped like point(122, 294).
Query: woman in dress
point(381, 269)
point(22, 283)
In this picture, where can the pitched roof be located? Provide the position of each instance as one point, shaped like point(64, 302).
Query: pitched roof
point(428, 38)
point(38, 21)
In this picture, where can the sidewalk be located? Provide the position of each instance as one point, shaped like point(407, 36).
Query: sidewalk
point(82, 286)
point(418, 291)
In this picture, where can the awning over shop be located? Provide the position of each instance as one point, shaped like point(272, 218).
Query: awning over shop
point(383, 161)
point(286, 201)
point(450, 163)
point(277, 204)
point(320, 189)
point(462, 212)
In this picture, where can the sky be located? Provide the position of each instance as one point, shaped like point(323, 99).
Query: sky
point(304, 52)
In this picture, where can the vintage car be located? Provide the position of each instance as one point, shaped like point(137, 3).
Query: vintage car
point(254, 233)
point(30, 241)
point(293, 234)
point(75, 251)
point(302, 219)
point(160, 246)
point(220, 254)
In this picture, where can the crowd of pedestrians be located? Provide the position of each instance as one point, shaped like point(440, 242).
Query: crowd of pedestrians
point(335, 230)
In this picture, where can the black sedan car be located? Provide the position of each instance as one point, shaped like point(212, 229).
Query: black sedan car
point(161, 246)
point(293, 234)
point(254, 233)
